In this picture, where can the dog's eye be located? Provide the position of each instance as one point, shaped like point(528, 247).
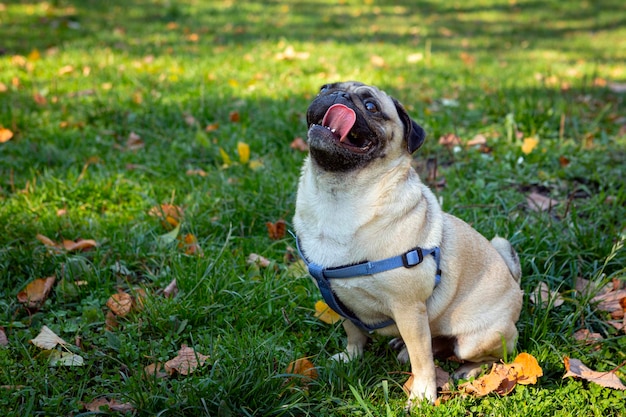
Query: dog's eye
point(371, 107)
point(324, 88)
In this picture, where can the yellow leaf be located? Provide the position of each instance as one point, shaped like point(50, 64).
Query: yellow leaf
point(255, 164)
point(325, 313)
point(34, 55)
point(530, 369)
point(243, 149)
point(5, 135)
point(529, 144)
point(225, 158)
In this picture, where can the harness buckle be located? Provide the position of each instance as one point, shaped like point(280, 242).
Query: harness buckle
point(412, 258)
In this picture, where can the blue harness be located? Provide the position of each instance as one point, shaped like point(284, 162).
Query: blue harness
point(323, 275)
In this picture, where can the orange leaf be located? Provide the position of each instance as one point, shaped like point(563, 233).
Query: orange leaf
point(234, 116)
point(190, 244)
point(325, 313)
point(575, 368)
point(79, 244)
point(36, 292)
point(529, 369)
point(120, 303)
point(303, 367)
point(169, 214)
point(186, 362)
point(450, 140)
point(529, 144)
point(276, 230)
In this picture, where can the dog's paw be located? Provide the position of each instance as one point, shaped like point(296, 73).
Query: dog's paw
point(398, 344)
point(471, 370)
point(342, 357)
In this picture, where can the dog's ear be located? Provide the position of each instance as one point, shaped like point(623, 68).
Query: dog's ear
point(413, 133)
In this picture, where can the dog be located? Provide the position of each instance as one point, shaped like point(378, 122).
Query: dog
point(384, 254)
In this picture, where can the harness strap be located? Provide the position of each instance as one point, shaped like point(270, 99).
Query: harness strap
point(323, 275)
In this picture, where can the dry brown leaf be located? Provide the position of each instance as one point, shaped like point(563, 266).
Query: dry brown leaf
point(79, 245)
point(186, 362)
point(198, 172)
point(234, 116)
point(325, 313)
point(261, 261)
point(45, 240)
point(170, 215)
point(477, 140)
point(212, 127)
point(299, 145)
point(110, 321)
point(575, 368)
point(544, 296)
point(104, 404)
point(586, 336)
point(539, 202)
point(155, 369)
point(120, 304)
point(171, 290)
point(450, 140)
point(276, 230)
point(47, 339)
point(612, 302)
point(134, 142)
point(36, 292)
point(3, 337)
point(303, 367)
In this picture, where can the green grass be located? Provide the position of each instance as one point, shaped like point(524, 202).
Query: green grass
point(80, 76)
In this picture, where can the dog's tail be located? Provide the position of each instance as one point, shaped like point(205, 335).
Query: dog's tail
point(505, 249)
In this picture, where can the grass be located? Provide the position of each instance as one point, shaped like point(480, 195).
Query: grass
point(78, 77)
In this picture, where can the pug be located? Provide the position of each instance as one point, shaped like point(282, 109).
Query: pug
point(384, 254)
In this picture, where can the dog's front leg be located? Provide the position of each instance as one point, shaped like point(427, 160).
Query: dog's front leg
point(356, 342)
point(412, 322)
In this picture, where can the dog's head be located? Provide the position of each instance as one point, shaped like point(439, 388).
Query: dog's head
point(353, 124)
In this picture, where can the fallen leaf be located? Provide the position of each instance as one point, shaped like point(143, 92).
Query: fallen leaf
point(477, 140)
point(120, 304)
point(47, 339)
point(234, 116)
point(3, 337)
point(575, 368)
point(62, 358)
point(529, 144)
point(225, 158)
point(134, 142)
point(212, 127)
point(169, 237)
point(243, 149)
point(612, 302)
point(155, 369)
point(290, 54)
point(529, 369)
point(36, 292)
point(67, 69)
point(110, 321)
point(186, 362)
point(619, 88)
point(276, 230)
point(586, 336)
point(199, 172)
point(299, 145)
point(254, 259)
point(104, 404)
point(171, 290)
point(190, 244)
point(170, 215)
point(539, 202)
point(325, 313)
point(544, 296)
point(450, 140)
point(305, 369)
point(503, 378)
point(79, 245)
point(5, 135)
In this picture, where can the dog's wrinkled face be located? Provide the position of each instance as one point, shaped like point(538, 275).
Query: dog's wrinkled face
point(352, 124)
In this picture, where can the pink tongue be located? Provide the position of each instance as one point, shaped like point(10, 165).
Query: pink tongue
point(340, 119)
